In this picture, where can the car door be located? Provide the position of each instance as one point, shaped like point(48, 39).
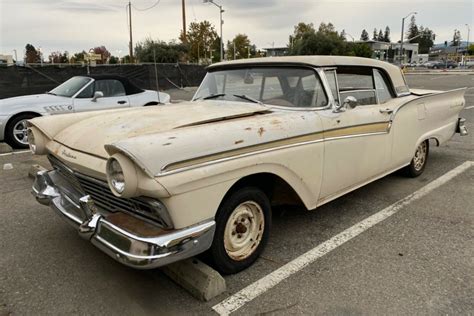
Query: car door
point(356, 140)
point(114, 96)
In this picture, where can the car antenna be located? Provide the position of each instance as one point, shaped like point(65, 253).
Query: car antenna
point(156, 77)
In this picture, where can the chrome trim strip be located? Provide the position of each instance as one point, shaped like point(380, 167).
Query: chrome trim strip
point(163, 171)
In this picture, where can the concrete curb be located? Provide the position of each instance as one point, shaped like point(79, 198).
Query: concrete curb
point(203, 282)
point(5, 148)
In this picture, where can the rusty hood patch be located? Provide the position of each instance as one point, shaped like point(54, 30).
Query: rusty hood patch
point(90, 134)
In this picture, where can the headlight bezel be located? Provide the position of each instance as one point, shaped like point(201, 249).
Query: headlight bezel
point(37, 141)
point(128, 184)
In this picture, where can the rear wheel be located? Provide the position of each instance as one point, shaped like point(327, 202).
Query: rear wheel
point(242, 227)
point(418, 163)
point(16, 131)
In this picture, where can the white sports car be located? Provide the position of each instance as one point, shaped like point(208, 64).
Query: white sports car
point(78, 94)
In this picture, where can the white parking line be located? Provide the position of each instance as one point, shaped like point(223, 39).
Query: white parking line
point(16, 153)
point(239, 299)
point(469, 107)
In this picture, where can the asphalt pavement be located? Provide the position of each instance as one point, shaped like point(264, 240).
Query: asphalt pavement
point(420, 260)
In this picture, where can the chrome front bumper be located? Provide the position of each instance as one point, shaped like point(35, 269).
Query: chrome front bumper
point(461, 127)
point(128, 239)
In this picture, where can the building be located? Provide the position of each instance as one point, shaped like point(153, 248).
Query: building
point(276, 51)
point(6, 60)
point(391, 51)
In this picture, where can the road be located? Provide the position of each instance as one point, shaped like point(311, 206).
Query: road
point(417, 261)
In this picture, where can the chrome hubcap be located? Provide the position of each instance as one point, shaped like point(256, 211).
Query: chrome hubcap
point(244, 230)
point(20, 132)
point(420, 157)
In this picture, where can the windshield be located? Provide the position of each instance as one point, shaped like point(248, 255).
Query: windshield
point(280, 86)
point(70, 87)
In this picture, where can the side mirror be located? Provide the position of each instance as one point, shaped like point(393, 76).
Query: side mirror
point(350, 102)
point(97, 95)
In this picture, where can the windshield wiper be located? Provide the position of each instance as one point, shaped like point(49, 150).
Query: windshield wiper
point(246, 97)
point(212, 96)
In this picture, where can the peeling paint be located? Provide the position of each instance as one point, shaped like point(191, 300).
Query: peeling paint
point(248, 129)
point(239, 141)
point(167, 144)
point(261, 130)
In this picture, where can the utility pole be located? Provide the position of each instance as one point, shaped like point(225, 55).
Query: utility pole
point(185, 40)
point(401, 40)
point(130, 21)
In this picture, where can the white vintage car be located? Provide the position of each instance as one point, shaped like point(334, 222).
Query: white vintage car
point(156, 185)
point(78, 94)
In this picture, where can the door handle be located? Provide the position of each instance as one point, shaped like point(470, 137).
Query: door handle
point(122, 102)
point(386, 111)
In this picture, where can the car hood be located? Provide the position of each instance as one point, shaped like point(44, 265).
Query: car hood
point(89, 132)
point(41, 103)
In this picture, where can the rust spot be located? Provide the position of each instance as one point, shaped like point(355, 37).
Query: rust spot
point(275, 122)
point(239, 141)
point(261, 130)
point(171, 137)
point(248, 129)
point(167, 144)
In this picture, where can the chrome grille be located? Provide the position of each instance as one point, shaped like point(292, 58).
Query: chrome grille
point(103, 197)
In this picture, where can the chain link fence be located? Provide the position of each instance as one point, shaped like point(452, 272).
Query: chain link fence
point(34, 79)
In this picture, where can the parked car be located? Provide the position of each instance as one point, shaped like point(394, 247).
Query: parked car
point(441, 64)
point(156, 185)
point(78, 94)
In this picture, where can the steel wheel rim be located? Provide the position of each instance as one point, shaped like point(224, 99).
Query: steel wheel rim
point(420, 157)
point(20, 132)
point(244, 230)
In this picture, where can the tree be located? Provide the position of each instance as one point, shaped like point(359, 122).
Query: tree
point(32, 55)
point(380, 36)
point(104, 53)
point(58, 57)
point(202, 41)
point(243, 47)
point(456, 38)
point(326, 41)
point(425, 40)
point(114, 60)
point(470, 49)
point(412, 29)
point(375, 35)
point(364, 36)
point(149, 49)
point(386, 35)
point(359, 49)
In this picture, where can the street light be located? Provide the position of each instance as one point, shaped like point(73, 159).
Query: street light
point(222, 22)
point(468, 33)
point(401, 39)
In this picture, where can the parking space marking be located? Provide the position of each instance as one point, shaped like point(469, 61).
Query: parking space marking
point(239, 299)
point(16, 153)
point(469, 107)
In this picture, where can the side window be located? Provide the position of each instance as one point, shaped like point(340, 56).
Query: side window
point(382, 88)
point(110, 87)
point(357, 82)
point(332, 80)
point(87, 93)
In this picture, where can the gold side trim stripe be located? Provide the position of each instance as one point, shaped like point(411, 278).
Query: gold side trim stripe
point(372, 128)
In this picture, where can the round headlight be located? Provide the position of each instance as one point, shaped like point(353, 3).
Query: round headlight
point(122, 176)
point(115, 173)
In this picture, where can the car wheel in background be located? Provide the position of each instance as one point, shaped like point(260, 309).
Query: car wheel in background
point(16, 131)
point(418, 163)
point(243, 224)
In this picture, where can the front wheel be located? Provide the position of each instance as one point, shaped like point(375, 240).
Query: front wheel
point(418, 163)
point(16, 131)
point(243, 224)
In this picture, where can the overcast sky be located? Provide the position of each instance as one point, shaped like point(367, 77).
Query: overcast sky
point(77, 25)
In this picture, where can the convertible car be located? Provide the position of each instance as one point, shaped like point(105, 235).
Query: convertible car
point(156, 185)
point(78, 94)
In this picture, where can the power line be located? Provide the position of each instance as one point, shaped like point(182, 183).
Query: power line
point(149, 8)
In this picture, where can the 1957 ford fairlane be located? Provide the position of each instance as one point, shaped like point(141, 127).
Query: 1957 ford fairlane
point(156, 185)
